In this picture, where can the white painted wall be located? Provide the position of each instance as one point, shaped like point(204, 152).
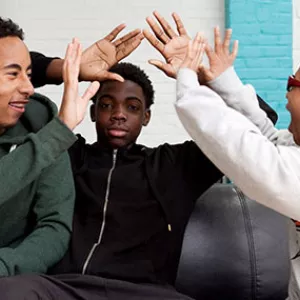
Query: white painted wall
point(50, 25)
point(296, 34)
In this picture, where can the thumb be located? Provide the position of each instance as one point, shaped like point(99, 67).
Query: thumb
point(105, 75)
point(166, 68)
point(158, 64)
point(112, 76)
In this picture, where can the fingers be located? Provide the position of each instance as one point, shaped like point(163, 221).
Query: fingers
point(198, 49)
point(90, 91)
point(209, 51)
point(226, 44)
point(194, 53)
point(153, 41)
point(128, 46)
point(126, 37)
point(72, 61)
point(113, 34)
point(235, 49)
point(165, 25)
point(180, 27)
point(218, 43)
point(159, 33)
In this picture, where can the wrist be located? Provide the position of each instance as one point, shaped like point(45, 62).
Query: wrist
point(54, 71)
point(226, 83)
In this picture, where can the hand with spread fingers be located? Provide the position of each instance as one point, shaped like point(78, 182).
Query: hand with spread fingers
point(219, 58)
point(73, 107)
point(103, 54)
point(170, 44)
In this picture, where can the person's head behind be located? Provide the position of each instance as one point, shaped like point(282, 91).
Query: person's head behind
point(15, 72)
point(293, 105)
point(120, 109)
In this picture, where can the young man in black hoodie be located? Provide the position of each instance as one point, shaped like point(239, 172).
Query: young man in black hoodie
point(132, 205)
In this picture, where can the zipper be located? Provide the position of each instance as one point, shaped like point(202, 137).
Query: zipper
point(88, 259)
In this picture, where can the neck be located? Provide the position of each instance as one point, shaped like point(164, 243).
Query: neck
point(2, 130)
point(104, 145)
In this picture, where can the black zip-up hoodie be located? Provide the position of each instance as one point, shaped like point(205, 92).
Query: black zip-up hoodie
point(137, 234)
point(132, 206)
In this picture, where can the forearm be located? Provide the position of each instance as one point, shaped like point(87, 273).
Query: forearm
point(264, 172)
point(34, 154)
point(36, 253)
point(45, 70)
point(49, 239)
point(54, 71)
point(243, 99)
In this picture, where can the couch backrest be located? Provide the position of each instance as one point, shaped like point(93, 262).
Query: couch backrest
point(234, 248)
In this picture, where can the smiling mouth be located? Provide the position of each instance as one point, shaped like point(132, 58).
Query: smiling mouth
point(18, 106)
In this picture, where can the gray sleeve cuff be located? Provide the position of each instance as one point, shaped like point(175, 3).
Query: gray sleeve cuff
point(227, 83)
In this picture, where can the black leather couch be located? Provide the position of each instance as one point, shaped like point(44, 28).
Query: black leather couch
point(235, 249)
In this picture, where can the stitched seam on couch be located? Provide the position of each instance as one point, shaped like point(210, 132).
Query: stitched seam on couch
point(250, 239)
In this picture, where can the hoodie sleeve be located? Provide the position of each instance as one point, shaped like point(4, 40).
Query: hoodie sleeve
point(40, 64)
point(263, 171)
point(243, 99)
point(48, 241)
point(37, 152)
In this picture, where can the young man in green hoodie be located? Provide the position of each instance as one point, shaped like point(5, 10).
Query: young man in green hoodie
point(36, 184)
point(37, 192)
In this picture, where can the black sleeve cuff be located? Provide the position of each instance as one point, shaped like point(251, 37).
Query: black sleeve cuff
point(40, 64)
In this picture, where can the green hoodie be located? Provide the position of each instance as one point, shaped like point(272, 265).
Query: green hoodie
point(36, 190)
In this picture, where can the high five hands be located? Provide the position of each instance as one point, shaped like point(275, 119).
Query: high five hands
point(177, 48)
point(174, 48)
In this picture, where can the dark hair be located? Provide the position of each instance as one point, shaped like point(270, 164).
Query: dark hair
point(133, 73)
point(9, 28)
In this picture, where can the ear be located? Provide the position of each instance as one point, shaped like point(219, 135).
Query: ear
point(147, 117)
point(92, 112)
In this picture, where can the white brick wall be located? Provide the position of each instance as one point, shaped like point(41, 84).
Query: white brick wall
point(296, 34)
point(50, 25)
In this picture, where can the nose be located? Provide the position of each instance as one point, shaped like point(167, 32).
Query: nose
point(26, 87)
point(118, 114)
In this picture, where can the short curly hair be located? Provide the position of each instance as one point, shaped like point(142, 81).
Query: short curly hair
point(9, 28)
point(134, 73)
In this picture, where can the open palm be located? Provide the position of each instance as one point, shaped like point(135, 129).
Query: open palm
point(174, 53)
point(103, 54)
point(171, 45)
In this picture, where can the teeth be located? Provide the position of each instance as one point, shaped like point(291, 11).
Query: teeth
point(17, 105)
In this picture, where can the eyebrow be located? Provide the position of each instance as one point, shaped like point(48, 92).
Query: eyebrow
point(127, 98)
point(17, 66)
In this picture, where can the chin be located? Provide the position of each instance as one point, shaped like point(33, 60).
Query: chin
point(118, 144)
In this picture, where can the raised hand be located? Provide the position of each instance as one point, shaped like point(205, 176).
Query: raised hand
point(103, 54)
point(219, 58)
point(73, 107)
point(170, 44)
point(194, 53)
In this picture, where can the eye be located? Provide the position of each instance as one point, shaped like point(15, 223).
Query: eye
point(12, 74)
point(104, 105)
point(29, 75)
point(133, 107)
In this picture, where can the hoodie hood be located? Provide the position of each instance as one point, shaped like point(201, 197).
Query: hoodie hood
point(39, 111)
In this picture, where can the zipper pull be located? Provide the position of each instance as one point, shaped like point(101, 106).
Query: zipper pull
point(169, 227)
